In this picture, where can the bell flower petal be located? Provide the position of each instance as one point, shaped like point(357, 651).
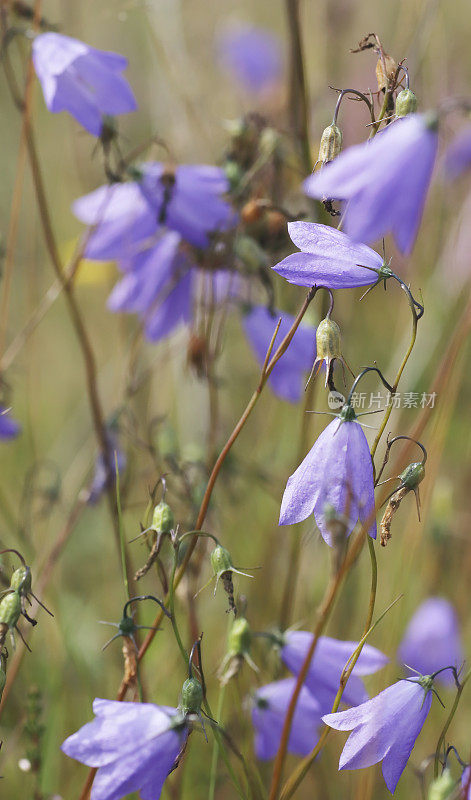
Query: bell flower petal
point(384, 728)
point(328, 258)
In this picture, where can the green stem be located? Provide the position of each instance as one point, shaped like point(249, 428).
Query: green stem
point(447, 724)
point(301, 771)
point(215, 756)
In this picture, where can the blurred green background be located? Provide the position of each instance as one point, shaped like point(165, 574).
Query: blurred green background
point(186, 98)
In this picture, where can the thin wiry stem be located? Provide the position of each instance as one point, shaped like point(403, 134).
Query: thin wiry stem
point(266, 372)
point(447, 724)
point(323, 617)
point(298, 104)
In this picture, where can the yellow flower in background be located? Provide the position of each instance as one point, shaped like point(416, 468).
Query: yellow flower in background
point(88, 271)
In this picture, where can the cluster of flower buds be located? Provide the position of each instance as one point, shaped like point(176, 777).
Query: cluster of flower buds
point(13, 602)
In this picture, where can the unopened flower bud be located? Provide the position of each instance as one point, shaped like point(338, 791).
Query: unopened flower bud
point(327, 347)
point(442, 788)
point(221, 560)
point(406, 103)
point(163, 520)
point(192, 696)
point(413, 475)
point(21, 580)
point(385, 77)
point(331, 144)
point(240, 637)
point(328, 340)
point(10, 609)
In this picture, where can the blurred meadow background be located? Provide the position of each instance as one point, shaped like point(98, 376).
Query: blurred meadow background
point(169, 422)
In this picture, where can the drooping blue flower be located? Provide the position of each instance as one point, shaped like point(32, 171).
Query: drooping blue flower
point(432, 640)
point(122, 218)
point(9, 427)
point(328, 258)
point(287, 378)
point(384, 181)
point(133, 745)
point(330, 657)
point(384, 728)
point(81, 80)
point(458, 155)
point(251, 55)
point(174, 310)
point(270, 704)
point(186, 200)
point(336, 473)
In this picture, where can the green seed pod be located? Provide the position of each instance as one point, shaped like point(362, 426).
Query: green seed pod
point(10, 609)
point(442, 788)
point(240, 636)
point(221, 560)
point(406, 103)
point(21, 580)
point(331, 144)
point(192, 696)
point(328, 340)
point(250, 253)
point(413, 475)
point(163, 520)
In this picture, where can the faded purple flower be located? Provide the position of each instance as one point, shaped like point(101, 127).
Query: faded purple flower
point(81, 80)
point(133, 745)
point(330, 657)
point(9, 427)
point(174, 310)
point(432, 640)
point(122, 219)
point(328, 257)
point(385, 181)
point(336, 473)
point(287, 378)
point(251, 55)
point(188, 199)
point(384, 728)
point(270, 704)
point(458, 155)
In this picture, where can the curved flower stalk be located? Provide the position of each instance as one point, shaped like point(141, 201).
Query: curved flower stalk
point(337, 472)
point(384, 181)
point(328, 258)
point(251, 55)
point(385, 728)
point(81, 80)
point(327, 666)
point(287, 378)
point(269, 706)
point(432, 640)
